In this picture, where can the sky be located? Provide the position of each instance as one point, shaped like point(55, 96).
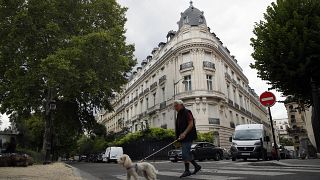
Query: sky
point(148, 22)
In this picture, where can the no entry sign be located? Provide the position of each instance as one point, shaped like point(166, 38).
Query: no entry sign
point(267, 99)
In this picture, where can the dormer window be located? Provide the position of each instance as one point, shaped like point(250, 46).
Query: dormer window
point(186, 20)
point(201, 19)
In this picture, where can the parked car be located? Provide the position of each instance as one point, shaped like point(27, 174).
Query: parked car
point(112, 154)
point(175, 155)
point(284, 153)
point(205, 150)
point(99, 157)
point(226, 154)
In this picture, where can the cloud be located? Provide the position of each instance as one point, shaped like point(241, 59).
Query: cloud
point(231, 20)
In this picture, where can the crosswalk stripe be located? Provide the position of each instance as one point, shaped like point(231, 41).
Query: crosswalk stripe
point(274, 169)
point(254, 172)
point(204, 177)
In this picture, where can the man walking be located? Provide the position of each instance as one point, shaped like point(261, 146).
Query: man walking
point(186, 132)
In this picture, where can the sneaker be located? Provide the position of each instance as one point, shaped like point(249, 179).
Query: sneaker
point(196, 169)
point(185, 174)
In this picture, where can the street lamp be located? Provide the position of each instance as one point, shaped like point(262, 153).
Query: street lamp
point(174, 95)
point(174, 88)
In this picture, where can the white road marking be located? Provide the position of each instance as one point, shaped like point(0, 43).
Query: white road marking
point(198, 176)
point(294, 169)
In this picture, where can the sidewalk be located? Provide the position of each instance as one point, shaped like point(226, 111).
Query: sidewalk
point(55, 171)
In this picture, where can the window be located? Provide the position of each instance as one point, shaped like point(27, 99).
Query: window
point(147, 103)
point(186, 20)
point(141, 106)
point(241, 101)
point(154, 99)
point(209, 82)
point(201, 19)
point(163, 94)
point(228, 91)
point(187, 83)
point(135, 109)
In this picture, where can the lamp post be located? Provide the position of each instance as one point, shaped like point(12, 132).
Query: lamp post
point(174, 88)
point(174, 95)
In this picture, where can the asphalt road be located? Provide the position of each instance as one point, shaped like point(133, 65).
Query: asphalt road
point(291, 169)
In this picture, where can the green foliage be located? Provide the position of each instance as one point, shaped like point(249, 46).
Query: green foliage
point(205, 137)
point(286, 142)
point(87, 145)
point(287, 47)
point(77, 49)
point(31, 129)
point(149, 134)
point(36, 156)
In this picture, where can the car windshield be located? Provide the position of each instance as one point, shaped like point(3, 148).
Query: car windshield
point(193, 145)
point(248, 134)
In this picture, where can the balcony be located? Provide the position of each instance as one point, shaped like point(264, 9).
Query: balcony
point(153, 109)
point(208, 65)
point(248, 113)
point(228, 77)
point(215, 121)
point(243, 110)
point(230, 102)
point(236, 106)
point(162, 79)
point(234, 81)
point(121, 108)
point(146, 91)
point(164, 126)
point(163, 105)
point(135, 98)
point(141, 94)
point(153, 86)
point(186, 66)
point(297, 130)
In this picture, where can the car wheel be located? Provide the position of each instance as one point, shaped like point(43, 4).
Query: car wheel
point(217, 157)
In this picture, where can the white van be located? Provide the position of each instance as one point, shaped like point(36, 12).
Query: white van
point(112, 154)
point(251, 141)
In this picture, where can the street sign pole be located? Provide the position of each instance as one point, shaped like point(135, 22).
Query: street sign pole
point(268, 99)
point(273, 135)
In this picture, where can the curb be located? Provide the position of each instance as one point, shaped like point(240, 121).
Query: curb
point(81, 174)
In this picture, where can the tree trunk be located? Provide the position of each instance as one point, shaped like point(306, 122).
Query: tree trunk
point(315, 119)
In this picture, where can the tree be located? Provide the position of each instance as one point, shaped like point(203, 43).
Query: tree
point(286, 142)
point(287, 51)
point(63, 51)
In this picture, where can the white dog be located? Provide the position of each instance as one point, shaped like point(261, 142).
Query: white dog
point(143, 169)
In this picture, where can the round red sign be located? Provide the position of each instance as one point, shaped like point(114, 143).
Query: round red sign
point(267, 99)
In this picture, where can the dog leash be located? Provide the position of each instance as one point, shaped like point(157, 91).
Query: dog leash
point(159, 150)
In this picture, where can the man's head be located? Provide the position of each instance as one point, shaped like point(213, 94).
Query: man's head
point(178, 104)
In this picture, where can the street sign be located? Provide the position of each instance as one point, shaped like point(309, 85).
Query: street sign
point(267, 99)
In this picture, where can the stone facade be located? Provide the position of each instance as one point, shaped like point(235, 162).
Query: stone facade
point(194, 66)
point(300, 130)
